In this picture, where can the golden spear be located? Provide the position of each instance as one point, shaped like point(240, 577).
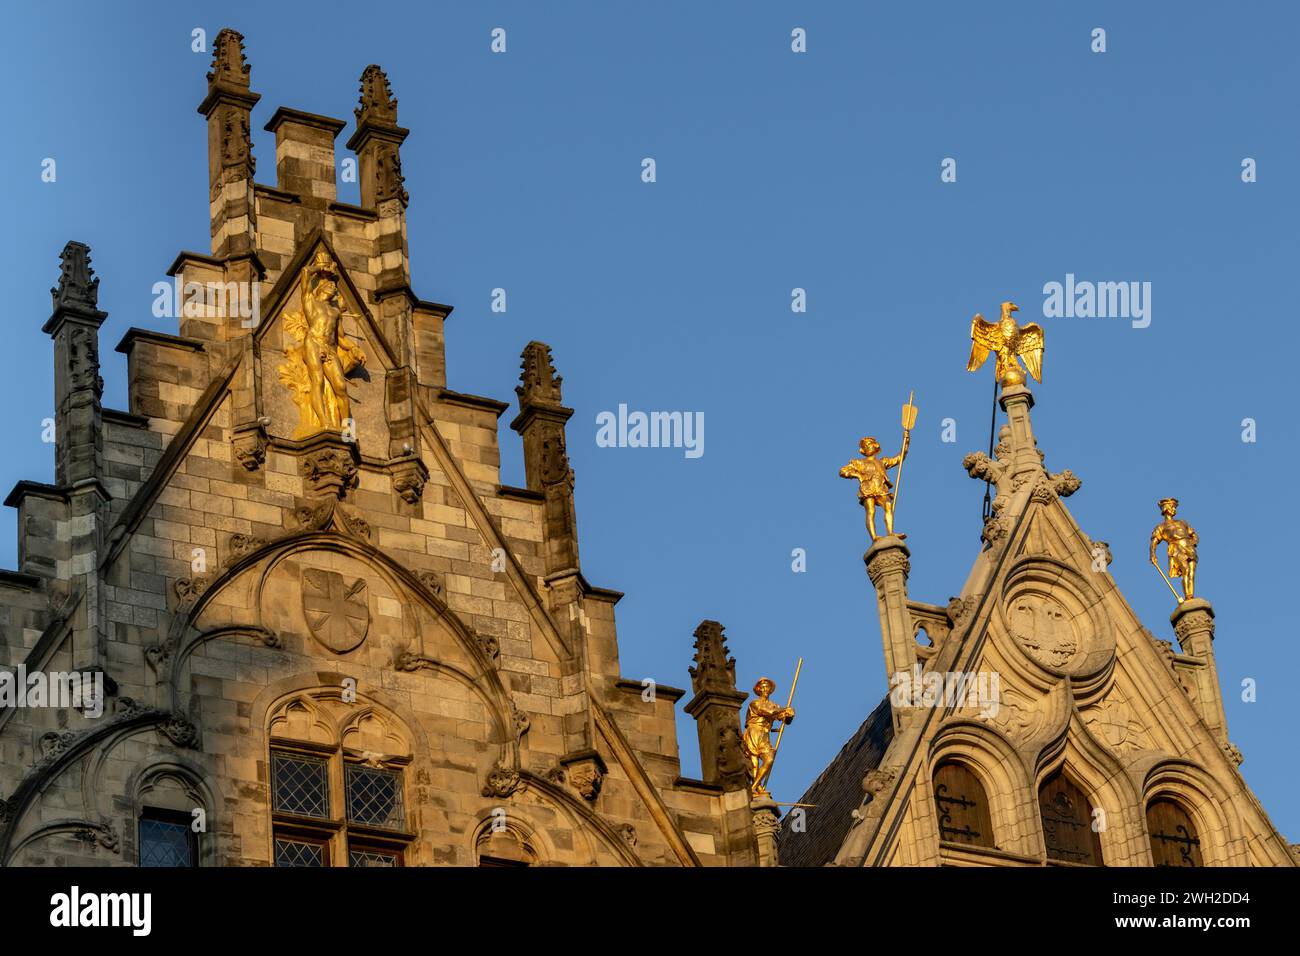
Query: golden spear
point(909, 422)
point(793, 684)
point(1172, 590)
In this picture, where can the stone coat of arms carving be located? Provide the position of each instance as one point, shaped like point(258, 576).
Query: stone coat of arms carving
point(1043, 629)
point(337, 610)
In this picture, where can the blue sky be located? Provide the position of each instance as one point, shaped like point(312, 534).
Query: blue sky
point(775, 171)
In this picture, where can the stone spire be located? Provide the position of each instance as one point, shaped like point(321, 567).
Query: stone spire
point(78, 289)
point(714, 669)
point(539, 383)
point(79, 467)
point(378, 105)
point(716, 709)
point(377, 142)
point(230, 69)
point(228, 106)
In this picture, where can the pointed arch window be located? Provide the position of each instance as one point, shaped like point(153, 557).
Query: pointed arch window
point(1068, 822)
point(338, 786)
point(962, 805)
point(1174, 841)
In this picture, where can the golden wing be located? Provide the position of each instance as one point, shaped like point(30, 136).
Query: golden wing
point(984, 338)
point(1029, 346)
point(295, 325)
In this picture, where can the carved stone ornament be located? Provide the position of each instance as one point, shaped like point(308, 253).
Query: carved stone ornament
point(102, 834)
point(875, 781)
point(329, 471)
point(628, 833)
point(519, 719)
point(189, 590)
point(886, 562)
point(241, 545)
point(180, 731)
point(83, 360)
point(1042, 627)
point(328, 514)
point(766, 824)
point(586, 779)
point(1233, 753)
point(432, 582)
point(995, 530)
point(1192, 622)
point(250, 443)
point(501, 782)
point(409, 478)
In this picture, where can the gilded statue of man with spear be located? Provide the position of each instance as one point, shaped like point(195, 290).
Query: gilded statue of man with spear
point(872, 474)
point(1180, 541)
point(756, 741)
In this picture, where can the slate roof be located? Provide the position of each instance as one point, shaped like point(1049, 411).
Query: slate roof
point(836, 793)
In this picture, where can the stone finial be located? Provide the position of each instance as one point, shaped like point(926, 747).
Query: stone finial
point(714, 669)
point(540, 383)
point(78, 288)
point(378, 105)
point(229, 68)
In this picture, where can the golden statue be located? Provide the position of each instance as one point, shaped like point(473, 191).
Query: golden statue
point(873, 480)
point(1007, 340)
point(756, 741)
point(1180, 541)
point(315, 368)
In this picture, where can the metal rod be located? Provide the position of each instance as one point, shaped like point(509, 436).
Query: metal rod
point(1172, 591)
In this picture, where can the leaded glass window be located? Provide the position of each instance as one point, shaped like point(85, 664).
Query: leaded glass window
point(300, 785)
point(292, 852)
point(166, 839)
point(374, 796)
point(366, 856)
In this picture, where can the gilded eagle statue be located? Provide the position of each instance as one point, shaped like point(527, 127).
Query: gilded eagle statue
point(1007, 340)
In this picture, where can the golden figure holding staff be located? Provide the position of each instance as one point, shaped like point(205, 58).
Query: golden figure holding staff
point(756, 741)
point(1007, 340)
point(1180, 541)
point(872, 474)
